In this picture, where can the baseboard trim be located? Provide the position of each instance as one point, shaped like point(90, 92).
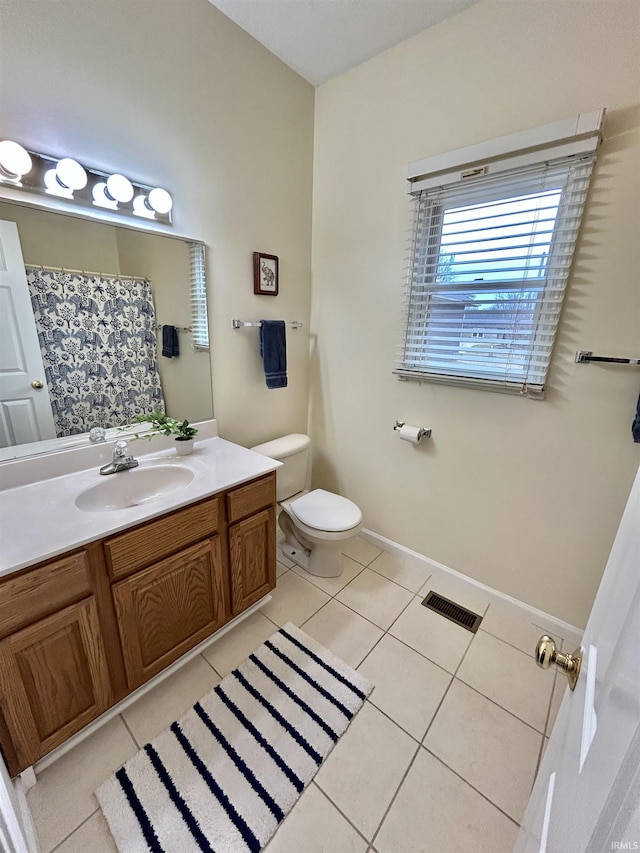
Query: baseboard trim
point(545, 621)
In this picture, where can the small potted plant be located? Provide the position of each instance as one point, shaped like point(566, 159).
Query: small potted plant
point(184, 437)
point(162, 424)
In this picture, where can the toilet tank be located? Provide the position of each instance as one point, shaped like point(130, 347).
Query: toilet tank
point(293, 451)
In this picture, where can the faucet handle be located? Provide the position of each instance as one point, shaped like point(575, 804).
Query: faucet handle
point(97, 434)
point(119, 449)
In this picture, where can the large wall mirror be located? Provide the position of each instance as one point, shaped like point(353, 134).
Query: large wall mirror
point(93, 303)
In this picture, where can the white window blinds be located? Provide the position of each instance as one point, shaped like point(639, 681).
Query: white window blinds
point(199, 320)
point(489, 262)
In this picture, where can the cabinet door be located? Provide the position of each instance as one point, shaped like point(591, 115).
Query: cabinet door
point(169, 608)
point(53, 681)
point(252, 552)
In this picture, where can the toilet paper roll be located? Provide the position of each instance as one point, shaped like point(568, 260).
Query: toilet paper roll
point(410, 433)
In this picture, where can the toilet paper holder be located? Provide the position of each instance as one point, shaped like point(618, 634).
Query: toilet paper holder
point(423, 432)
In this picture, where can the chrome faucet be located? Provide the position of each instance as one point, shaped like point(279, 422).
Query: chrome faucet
point(121, 459)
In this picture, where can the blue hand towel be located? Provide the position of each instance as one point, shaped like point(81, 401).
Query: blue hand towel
point(273, 351)
point(170, 345)
point(635, 426)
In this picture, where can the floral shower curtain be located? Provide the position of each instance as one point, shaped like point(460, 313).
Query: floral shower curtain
point(98, 341)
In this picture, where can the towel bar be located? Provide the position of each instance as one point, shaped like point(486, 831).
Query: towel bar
point(239, 324)
point(178, 328)
point(584, 356)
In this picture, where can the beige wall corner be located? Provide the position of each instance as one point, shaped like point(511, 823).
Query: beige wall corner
point(524, 496)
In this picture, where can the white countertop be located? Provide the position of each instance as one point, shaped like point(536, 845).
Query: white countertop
point(39, 520)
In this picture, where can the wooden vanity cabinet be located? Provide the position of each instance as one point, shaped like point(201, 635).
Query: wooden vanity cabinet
point(82, 631)
point(252, 542)
point(169, 608)
point(54, 674)
point(171, 597)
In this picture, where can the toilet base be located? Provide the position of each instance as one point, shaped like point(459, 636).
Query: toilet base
point(322, 560)
point(297, 554)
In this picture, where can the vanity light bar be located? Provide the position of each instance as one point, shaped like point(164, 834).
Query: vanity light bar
point(68, 179)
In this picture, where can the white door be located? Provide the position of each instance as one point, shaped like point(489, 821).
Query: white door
point(586, 798)
point(25, 409)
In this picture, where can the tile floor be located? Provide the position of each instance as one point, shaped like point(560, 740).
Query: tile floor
point(441, 757)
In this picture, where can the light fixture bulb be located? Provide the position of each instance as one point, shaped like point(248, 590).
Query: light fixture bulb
point(100, 197)
point(142, 208)
point(15, 160)
point(159, 200)
point(53, 185)
point(119, 188)
point(70, 174)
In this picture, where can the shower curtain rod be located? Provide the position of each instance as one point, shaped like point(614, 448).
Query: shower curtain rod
point(116, 275)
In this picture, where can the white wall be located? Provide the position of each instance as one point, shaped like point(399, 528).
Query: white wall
point(522, 495)
point(173, 93)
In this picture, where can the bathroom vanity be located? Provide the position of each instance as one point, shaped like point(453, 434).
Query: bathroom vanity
point(96, 602)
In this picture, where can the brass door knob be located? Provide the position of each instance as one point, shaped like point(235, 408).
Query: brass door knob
point(547, 653)
point(37, 384)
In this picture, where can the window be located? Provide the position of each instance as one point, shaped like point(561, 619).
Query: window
point(490, 257)
point(199, 319)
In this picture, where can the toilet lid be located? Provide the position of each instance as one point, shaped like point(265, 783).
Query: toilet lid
point(326, 511)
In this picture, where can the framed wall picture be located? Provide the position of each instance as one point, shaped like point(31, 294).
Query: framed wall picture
point(265, 274)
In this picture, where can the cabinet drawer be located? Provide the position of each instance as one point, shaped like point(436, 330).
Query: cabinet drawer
point(251, 498)
point(27, 597)
point(158, 539)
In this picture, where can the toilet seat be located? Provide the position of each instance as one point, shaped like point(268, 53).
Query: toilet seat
point(325, 511)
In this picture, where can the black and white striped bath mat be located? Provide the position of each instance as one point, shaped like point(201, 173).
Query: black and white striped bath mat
point(223, 776)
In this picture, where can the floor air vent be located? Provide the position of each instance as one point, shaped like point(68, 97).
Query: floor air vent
point(451, 610)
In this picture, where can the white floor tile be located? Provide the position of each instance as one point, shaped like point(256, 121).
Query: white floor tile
point(158, 708)
point(491, 749)
point(408, 687)
point(364, 770)
point(411, 575)
point(360, 550)
point(437, 812)
point(237, 644)
point(332, 586)
point(456, 590)
point(281, 568)
point(293, 600)
point(432, 635)
point(316, 826)
point(345, 633)
point(63, 795)
point(509, 677)
point(92, 837)
point(509, 624)
point(376, 598)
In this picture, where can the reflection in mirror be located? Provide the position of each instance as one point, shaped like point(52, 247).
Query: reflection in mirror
point(95, 326)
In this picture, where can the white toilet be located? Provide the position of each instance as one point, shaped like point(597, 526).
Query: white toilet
point(315, 523)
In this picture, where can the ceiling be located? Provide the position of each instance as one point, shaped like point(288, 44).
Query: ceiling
point(322, 38)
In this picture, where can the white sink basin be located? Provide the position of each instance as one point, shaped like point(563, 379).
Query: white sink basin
point(134, 487)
